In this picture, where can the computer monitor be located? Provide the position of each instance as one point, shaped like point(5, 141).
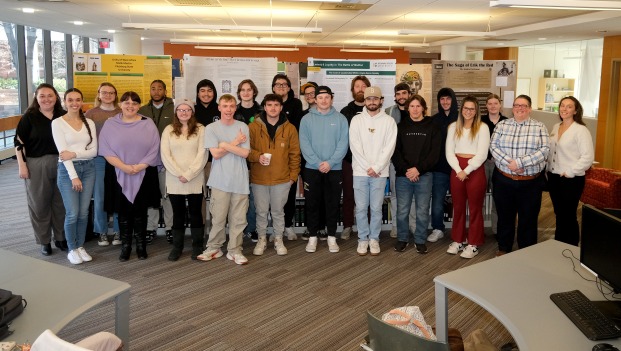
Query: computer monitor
point(600, 248)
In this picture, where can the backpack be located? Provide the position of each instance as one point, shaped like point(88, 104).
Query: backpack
point(11, 306)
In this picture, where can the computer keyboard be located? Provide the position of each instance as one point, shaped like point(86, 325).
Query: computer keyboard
point(591, 322)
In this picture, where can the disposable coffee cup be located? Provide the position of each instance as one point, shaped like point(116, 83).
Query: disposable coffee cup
point(269, 158)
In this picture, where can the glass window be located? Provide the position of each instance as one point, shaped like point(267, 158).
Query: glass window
point(59, 62)
point(93, 45)
point(34, 60)
point(9, 97)
point(77, 42)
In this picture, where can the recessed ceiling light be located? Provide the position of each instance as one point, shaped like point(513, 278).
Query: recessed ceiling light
point(28, 10)
point(543, 38)
point(142, 38)
point(111, 31)
point(601, 31)
point(78, 23)
point(427, 52)
point(500, 44)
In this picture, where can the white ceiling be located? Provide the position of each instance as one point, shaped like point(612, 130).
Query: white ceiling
point(378, 23)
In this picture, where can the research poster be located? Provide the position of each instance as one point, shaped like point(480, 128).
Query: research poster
point(418, 77)
point(478, 78)
point(338, 74)
point(227, 72)
point(125, 72)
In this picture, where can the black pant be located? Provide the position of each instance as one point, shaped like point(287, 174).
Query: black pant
point(290, 205)
point(521, 198)
point(322, 192)
point(565, 194)
point(179, 210)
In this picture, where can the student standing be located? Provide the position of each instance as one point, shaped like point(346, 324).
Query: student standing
point(37, 158)
point(467, 145)
point(76, 140)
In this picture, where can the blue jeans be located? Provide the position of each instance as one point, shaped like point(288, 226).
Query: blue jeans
point(76, 202)
point(100, 222)
point(421, 191)
point(441, 184)
point(369, 192)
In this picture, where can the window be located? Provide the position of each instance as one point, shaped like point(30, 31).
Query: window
point(9, 98)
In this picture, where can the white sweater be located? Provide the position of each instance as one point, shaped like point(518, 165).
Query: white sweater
point(573, 154)
point(479, 146)
point(68, 139)
point(183, 157)
point(372, 141)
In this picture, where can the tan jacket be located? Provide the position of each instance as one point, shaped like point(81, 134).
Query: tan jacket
point(285, 149)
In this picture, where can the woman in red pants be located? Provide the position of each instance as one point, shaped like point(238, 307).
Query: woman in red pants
point(467, 144)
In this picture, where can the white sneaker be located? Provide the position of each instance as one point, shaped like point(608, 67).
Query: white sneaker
point(363, 246)
point(469, 251)
point(291, 235)
point(454, 248)
point(116, 240)
point(260, 247)
point(74, 257)
point(393, 232)
point(238, 258)
point(281, 250)
point(210, 254)
point(312, 244)
point(83, 255)
point(103, 240)
point(435, 235)
point(332, 246)
point(346, 233)
point(374, 246)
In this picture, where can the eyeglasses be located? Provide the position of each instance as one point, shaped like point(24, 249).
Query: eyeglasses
point(310, 94)
point(281, 85)
point(107, 93)
point(184, 110)
point(520, 106)
point(469, 109)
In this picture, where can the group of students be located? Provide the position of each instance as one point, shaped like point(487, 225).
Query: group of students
point(131, 158)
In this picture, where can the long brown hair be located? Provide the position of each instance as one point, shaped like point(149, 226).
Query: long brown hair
point(34, 106)
point(192, 123)
point(116, 95)
point(476, 123)
point(81, 113)
point(577, 105)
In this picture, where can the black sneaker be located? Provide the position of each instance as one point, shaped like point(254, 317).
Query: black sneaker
point(254, 236)
point(421, 248)
point(169, 236)
point(401, 245)
point(323, 235)
point(150, 236)
point(306, 235)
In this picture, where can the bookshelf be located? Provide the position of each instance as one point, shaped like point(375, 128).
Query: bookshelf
point(552, 90)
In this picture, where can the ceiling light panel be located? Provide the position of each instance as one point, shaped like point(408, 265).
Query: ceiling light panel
point(592, 5)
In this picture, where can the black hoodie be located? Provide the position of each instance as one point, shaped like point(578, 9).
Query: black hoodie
point(442, 121)
point(205, 115)
point(418, 145)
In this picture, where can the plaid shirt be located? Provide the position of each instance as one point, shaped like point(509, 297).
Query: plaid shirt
point(526, 142)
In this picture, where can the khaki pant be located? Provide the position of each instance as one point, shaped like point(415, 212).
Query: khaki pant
point(234, 206)
point(45, 204)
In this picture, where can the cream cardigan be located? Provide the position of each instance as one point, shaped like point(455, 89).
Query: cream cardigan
point(184, 157)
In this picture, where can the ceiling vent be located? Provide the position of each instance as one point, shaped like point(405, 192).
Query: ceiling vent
point(198, 3)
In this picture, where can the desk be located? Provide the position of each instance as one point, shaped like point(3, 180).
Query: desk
point(515, 288)
point(56, 295)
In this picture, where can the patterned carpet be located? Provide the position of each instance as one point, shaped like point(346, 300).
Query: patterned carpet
point(299, 301)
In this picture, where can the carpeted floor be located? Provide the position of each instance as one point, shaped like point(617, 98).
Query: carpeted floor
point(299, 301)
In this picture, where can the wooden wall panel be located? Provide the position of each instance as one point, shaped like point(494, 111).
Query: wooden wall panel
point(607, 151)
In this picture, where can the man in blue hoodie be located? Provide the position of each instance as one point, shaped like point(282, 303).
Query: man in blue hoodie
point(447, 114)
point(324, 140)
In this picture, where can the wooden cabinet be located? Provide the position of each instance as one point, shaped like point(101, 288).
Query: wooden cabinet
point(552, 90)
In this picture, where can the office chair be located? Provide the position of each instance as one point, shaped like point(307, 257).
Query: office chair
point(48, 341)
point(385, 337)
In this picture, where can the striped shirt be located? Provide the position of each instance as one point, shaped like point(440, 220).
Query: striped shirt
point(526, 142)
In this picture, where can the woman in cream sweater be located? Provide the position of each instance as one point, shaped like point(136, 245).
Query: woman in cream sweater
point(184, 156)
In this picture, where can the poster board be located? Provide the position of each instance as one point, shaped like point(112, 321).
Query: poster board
point(227, 72)
point(338, 74)
point(125, 72)
point(478, 78)
point(418, 77)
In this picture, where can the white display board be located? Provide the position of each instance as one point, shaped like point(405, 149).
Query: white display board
point(338, 74)
point(227, 72)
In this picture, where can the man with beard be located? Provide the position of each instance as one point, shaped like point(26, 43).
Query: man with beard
point(308, 90)
point(161, 110)
point(292, 108)
point(358, 85)
point(399, 112)
point(372, 139)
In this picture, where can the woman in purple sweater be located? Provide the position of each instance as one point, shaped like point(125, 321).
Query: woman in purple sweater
point(131, 144)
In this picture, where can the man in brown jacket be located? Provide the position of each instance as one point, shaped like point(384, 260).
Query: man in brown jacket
point(274, 166)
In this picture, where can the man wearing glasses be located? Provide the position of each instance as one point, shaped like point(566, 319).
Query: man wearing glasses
point(520, 149)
